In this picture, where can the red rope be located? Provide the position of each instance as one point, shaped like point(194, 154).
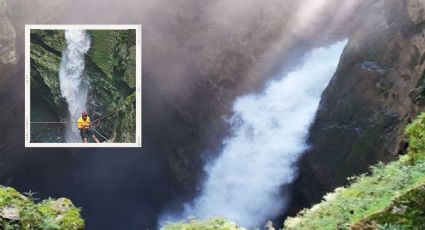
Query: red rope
point(53, 122)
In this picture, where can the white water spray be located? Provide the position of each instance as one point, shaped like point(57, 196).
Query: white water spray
point(71, 78)
point(269, 131)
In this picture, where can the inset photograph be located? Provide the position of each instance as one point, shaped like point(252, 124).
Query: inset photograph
point(83, 86)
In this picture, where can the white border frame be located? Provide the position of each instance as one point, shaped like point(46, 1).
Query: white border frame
point(138, 29)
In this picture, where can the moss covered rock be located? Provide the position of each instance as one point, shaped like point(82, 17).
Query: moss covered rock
point(416, 134)
point(114, 51)
point(125, 127)
point(391, 197)
point(46, 53)
point(406, 211)
point(21, 212)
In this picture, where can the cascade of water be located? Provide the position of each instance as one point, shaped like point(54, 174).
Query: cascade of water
point(71, 77)
point(269, 133)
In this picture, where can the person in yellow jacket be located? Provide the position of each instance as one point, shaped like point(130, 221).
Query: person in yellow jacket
point(83, 125)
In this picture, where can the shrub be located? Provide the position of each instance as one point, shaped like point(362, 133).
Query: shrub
point(416, 135)
point(21, 212)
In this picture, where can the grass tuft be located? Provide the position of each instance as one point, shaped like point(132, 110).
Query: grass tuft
point(365, 203)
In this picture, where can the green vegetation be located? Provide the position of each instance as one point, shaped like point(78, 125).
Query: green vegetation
point(208, 224)
point(392, 196)
point(407, 211)
point(111, 65)
point(417, 95)
point(126, 119)
point(21, 212)
point(372, 201)
point(114, 51)
point(416, 134)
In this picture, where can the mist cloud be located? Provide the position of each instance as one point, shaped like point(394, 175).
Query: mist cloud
point(188, 41)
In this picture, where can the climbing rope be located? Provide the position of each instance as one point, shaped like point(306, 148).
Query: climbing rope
point(52, 122)
point(100, 134)
point(94, 123)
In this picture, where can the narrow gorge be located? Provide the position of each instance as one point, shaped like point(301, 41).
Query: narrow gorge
point(74, 71)
point(204, 63)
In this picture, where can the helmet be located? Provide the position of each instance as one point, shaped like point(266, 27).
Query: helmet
point(84, 114)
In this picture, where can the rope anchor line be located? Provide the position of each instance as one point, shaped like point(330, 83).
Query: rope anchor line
point(93, 124)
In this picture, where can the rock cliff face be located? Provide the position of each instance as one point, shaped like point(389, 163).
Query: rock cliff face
point(376, 90)
point(47, 104)
point(7, 37)
point(110, 71)
point(112, 59)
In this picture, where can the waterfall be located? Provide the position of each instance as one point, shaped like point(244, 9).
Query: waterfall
point(269, 131)
point(71, 78)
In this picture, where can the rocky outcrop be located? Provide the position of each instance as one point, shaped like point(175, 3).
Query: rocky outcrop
point(46, 52)
point(415, 9)
point(21, 212)
point(376, 90)
point(7, 37)
point(404, 212)
point(13, 17)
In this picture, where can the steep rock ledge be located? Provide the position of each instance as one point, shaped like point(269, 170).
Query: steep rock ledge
point(368, 102)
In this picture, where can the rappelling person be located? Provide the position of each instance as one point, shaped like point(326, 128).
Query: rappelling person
point(83, 125)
